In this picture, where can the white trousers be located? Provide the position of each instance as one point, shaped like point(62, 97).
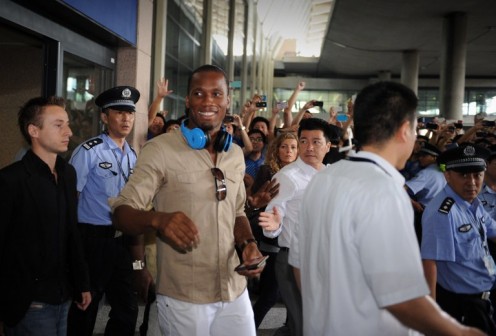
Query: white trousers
point(179, 318)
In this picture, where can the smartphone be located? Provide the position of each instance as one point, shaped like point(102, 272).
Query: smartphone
point(261, 104)
point(431, 126)
point(459, 125)
point(341, 117)
point(282, 105)
point(228, 119)
point(424, 120)
point(254, 264)
point(488, 123)
point(318, 103)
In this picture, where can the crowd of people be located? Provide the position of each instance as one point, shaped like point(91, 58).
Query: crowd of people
point(380, 224)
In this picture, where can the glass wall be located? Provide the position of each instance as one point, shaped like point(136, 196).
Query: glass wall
point(335, 99)
point(475, 101)
point(83, 80)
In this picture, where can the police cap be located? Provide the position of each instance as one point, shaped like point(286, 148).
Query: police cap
point(429, 149)
point(464, 159)
point(121, 98)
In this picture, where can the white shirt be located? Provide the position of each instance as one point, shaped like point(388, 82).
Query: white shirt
point(357, 250)
point(293, 180)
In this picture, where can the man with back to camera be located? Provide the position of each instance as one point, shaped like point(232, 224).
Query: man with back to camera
point(356, 252)
point(457, 263)
point(278, 219)
point(104, 164)
point(194, 177)
point(41, 255)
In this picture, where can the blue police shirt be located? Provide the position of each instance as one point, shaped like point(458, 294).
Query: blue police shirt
point(102, 170)
point(487, 197)
point(454, 233)
point(427, 183)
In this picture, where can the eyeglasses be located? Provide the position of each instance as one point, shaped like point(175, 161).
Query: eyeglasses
point(220, 184)
point(256, 139)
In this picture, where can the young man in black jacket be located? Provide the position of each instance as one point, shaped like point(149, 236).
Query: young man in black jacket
point(41, 255)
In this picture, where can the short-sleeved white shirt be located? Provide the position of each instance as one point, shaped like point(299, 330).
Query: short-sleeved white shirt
point(356, 249)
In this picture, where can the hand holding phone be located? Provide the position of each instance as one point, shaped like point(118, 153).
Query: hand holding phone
point(488, 123)
point(252, 265)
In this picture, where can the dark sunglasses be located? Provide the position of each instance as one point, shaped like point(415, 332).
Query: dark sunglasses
point(220, 184)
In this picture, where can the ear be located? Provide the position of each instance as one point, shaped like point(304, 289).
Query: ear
point(104, 118)
point(228, 101)
point(405, 132)
point(33, 131)
point(186, 102)
point(328, 145)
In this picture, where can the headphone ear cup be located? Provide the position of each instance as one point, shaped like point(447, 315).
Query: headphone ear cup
point(223, 140)
point(195, 137)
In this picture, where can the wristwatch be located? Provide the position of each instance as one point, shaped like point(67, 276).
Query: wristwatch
point(243, 128)
point(138, 265)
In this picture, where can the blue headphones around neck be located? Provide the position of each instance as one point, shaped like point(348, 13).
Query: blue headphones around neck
point(198, 139)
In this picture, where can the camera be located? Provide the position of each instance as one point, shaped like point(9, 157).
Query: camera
point(228, 119)
point(488, 123)
point(318, 103)
point(261, 104)
point(431, 126)
point(459, 125)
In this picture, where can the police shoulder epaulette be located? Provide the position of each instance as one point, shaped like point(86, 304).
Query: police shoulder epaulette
point(92, 143)
point(446, 205)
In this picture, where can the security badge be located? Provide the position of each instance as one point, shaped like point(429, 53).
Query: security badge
point(105, 165)
point(465, 228)
point(126, 93)
point(469, 151)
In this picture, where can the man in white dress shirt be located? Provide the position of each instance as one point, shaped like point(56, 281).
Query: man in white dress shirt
point(280, 215)
point(356, 252)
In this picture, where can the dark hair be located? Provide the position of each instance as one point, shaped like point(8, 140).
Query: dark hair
point(380, 110)
point(161, 116)
point(207, 68)
point(259, 119)
point(317, 124)
point(171, 122)
point(255, 131)
point(30, 113)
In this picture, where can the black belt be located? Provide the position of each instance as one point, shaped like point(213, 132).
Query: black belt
point(481, 295)
point(284, 248)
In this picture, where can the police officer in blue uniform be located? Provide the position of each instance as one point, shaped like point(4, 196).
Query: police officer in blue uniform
point(103, 165)
point(426, 184)
point(457, 264)
point(487, 197)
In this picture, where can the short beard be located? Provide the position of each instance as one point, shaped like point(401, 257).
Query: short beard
point(206, 128)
